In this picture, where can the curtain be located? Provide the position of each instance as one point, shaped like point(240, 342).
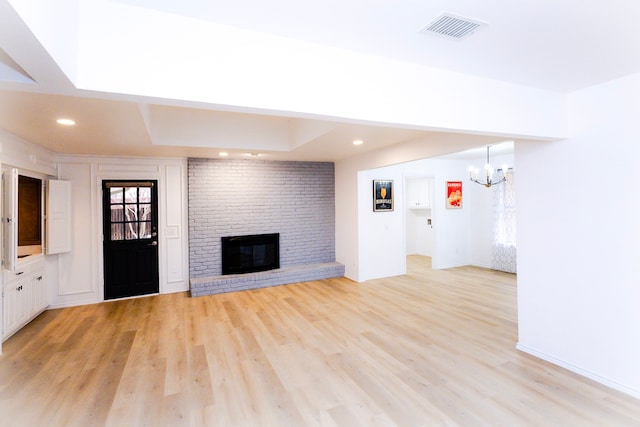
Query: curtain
point(504, 226)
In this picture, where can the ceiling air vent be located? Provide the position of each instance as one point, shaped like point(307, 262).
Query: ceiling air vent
point(452, 26)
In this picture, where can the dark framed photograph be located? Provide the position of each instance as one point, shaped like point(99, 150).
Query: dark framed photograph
point(382, 195)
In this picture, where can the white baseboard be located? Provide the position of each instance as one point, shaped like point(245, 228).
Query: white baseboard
point(172, 288)
point(68, 304)
point(573, 368)
point(179, 287)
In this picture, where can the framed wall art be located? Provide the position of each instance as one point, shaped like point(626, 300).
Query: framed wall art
point(382, 195)
point(454, 195)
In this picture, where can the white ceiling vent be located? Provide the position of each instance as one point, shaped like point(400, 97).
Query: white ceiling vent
point(452, 26)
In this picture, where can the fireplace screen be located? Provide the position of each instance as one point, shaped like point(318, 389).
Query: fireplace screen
point(248, 254)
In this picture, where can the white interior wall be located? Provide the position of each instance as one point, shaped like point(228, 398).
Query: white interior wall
point(346, 194)
point(21, 154)
point(81, 278)
point(77, 279)
point(451, 226)
point(411, 240)
point(381, 233)
point(579, 239)
point(382, 244)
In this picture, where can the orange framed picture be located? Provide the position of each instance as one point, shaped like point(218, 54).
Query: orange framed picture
point(382, 195)
point(454, 195)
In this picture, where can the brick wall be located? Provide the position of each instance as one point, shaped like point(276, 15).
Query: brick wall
point(240, 197)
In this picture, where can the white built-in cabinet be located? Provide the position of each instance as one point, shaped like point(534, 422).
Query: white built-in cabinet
point(24, 296)
point(419, 193)
point(24, 284)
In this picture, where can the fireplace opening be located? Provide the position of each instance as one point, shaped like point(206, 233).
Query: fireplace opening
point(249, 254)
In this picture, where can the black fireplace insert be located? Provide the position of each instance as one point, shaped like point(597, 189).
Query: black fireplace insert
point(248, 254)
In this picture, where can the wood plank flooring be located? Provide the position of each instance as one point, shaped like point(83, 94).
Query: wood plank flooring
point(431, 348)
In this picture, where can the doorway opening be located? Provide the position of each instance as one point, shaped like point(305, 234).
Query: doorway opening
point(420, 240)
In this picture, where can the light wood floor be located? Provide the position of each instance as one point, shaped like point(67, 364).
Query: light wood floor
point(429, 348)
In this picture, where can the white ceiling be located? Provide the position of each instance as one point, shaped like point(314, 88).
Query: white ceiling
point(560, 45)
point(554, 45)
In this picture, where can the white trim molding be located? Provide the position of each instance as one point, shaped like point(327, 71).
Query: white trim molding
point(578, 370)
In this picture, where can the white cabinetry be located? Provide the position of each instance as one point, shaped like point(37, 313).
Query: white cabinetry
point(58, 217)
point(14, 306)
point(38, 292)
point(24, 289)
point(24, 296)
point(419, 193)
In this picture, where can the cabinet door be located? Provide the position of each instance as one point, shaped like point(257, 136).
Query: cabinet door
point(10, 219)
point(425, 188)
point(9, 300)
point(58, 217)
point(15, 305)
point(412, 194)
point(37, 293)
point(23, 296)
point(419, 193)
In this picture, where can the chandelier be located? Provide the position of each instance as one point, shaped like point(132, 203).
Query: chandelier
point(489, 181)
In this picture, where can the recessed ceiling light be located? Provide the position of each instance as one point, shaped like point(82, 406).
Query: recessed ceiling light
point(223, 154)
point(66, 122)
point(252, 154)
point(358, 142)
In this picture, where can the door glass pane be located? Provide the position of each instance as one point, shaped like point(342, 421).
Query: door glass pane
point(117, 231)
point(131, 194)
point(116, 195)
point(145, 230)
point(116, 213)
point(145, 194)
point(131, 212)
point(131, 230)
point(145, 212)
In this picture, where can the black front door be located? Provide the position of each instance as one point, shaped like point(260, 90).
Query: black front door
point(130, 218)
